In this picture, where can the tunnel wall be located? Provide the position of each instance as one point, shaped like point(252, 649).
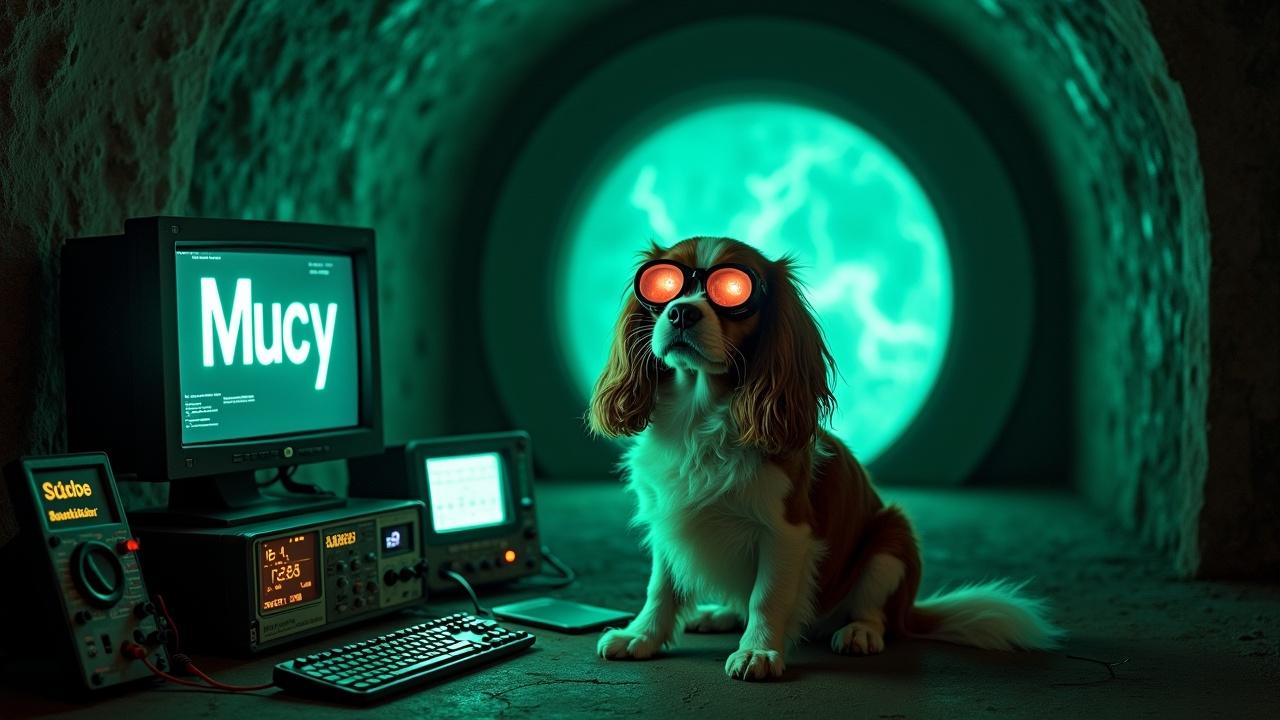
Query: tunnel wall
point(366, 113)
point(1226, 56)
point(100, 103)
point(1127, 160)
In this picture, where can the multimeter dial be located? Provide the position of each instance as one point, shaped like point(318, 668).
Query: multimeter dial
point(97, 573)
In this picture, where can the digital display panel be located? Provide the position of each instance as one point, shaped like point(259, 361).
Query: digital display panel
point(75, 497)
point(397, 539)
point(267, 343)
point(341, 539)
point(288, 571)
point(467, 492)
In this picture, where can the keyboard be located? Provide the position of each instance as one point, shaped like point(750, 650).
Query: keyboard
point(390, 664)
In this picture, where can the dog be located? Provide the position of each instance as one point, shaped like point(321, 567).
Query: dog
point(757, 518)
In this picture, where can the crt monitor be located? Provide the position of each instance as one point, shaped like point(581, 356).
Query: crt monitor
point(201, 350)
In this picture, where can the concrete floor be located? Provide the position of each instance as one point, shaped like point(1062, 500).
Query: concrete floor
point(1194, 649)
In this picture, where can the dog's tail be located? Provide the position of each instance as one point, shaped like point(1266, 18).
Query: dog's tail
point(994, 615)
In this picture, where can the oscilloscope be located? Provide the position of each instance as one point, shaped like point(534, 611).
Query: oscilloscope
point(478, 491)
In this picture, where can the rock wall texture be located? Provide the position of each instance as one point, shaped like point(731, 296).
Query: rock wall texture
point(1226, 56)
point(99, 107)
point(1128, 163)
point(370, 112)
point(1178, 427)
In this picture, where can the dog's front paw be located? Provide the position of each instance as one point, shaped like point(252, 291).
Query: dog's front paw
point(858, 638)
point(754, 665)
point(622, 644)
point(713, 619)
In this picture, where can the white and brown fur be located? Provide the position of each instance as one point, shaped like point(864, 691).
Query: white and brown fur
point(756, 517)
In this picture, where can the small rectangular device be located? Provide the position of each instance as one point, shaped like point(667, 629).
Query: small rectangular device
point(478, 490)
point(260, 585)
point(563, 615)
point(76, 593)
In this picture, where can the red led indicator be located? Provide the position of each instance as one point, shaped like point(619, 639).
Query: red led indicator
point(128, 546)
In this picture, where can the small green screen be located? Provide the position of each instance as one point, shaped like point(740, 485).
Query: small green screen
point(467, 492)
point(266, 343)
point(785, 178)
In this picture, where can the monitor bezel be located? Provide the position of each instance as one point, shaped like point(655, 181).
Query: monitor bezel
point(418, 452)
point(216, 458)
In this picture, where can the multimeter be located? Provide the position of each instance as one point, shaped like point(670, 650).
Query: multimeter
point(84, 597)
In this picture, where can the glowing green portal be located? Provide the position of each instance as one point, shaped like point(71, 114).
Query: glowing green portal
point(782, 177)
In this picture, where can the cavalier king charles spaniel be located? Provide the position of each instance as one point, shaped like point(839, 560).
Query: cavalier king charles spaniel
point(757, 518)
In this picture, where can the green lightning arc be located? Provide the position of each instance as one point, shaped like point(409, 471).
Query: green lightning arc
point(784, 178)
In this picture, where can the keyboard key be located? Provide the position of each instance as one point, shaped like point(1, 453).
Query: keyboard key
point(418, 667)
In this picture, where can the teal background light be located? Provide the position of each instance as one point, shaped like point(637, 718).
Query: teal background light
point(783, 177)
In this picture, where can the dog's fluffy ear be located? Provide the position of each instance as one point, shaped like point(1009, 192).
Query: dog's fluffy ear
point(785, 393)
point(624, 394)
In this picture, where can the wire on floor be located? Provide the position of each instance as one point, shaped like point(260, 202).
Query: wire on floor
point(568, 576)
point(475, 600)
point(182, 663)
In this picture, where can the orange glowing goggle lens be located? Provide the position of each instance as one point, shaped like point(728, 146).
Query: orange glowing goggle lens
point(733, 290)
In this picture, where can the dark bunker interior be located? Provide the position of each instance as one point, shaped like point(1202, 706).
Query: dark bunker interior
point(1042, 240)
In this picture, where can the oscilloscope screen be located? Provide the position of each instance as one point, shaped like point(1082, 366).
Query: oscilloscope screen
point(467, 492)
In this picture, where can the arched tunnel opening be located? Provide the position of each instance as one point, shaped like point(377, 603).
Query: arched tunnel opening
point(888, 128)
point(1001, 212)
point(1060, 194)
point(1038, 211)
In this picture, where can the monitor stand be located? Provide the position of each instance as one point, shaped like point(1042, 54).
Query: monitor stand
point(227, 500)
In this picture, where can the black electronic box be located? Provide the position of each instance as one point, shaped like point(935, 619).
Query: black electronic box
point(260, 585)
point(478, 491)
point(81, 595)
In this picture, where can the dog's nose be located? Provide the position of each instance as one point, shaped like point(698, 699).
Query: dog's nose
point(684, 316)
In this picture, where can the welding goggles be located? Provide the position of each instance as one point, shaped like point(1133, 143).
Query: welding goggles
point(733, 290)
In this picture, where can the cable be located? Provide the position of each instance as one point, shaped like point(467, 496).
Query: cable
point(170, 678)
point(183, 662)
point(168, 619)
point(545, 582)
point(475, 601)
point(138, 652)
point(282, 472)
point(301, 488)
point(567, 573)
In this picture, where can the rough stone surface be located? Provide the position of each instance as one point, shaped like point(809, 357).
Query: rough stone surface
point(1227, 57)
point(367, 114)
point(1122, 138)
point(1195, 650)
point(99, 105)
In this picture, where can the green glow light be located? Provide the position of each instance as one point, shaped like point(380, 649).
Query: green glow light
point(782, 177)
point(466, 492)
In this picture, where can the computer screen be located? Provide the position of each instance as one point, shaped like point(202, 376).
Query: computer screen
point(467, 492)
point(267, 343)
